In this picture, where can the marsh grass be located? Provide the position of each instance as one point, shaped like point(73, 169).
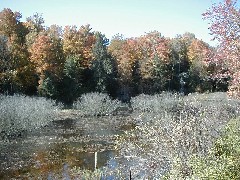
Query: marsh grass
point(21, 113)
point(96, 104)
point(171, 129)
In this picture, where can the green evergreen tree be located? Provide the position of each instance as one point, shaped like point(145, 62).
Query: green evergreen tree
point(161, 75)
point(103, 64)
point(71, 80)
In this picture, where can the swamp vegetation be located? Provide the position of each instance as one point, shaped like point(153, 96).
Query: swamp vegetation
point(162, 136)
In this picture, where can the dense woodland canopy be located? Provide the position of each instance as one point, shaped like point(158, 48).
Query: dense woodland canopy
point(63, 63)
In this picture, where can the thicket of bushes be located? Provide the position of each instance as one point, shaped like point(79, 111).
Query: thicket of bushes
point(176, 137)
point(223, 161)
point(96, 104)
point(172, 129)
point(20, 113)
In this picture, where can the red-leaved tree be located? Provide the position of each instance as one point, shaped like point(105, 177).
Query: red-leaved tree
point(225, 27)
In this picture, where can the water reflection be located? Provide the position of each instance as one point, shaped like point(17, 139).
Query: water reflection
point(50, 164)
point(53, 150)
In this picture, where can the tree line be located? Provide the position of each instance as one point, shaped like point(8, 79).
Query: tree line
point(63, 63)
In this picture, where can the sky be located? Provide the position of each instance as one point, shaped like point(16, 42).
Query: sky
point(131, 18)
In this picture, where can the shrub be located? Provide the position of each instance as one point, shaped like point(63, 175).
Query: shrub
point(21, 113)
point(223, 161)
point(171, 129)
point(96, 104)
point(157, 103)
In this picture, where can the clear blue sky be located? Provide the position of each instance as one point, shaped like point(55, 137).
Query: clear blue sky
point(128, 17)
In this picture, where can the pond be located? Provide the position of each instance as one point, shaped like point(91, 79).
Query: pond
point(86, 143)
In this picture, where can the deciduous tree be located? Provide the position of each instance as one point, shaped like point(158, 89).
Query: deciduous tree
point(199, 54)
point(47, 57)
point(79, 43)
point(17, 73)
point(224, 21)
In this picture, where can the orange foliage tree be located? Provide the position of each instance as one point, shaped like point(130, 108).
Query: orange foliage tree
point(138, 58)
point(18, 74)
point(79, 43)
point(199, 55)
point(47, 57)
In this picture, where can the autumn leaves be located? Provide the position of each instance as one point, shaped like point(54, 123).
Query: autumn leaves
point(57, 62)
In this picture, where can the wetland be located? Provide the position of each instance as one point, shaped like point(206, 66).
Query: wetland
point(67, 142)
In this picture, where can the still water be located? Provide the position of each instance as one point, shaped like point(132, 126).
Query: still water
point(64, 144)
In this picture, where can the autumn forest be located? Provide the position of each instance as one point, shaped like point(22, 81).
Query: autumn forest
point(77, 105)
point(64, 62)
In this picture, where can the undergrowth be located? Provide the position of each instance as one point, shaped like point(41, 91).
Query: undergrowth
point(22, 113)
point(171, 129)
point(96, 104)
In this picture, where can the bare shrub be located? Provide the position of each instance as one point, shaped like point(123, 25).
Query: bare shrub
point(154, 103)
point(96, 104)
point(21, 113)
point(171, 129)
